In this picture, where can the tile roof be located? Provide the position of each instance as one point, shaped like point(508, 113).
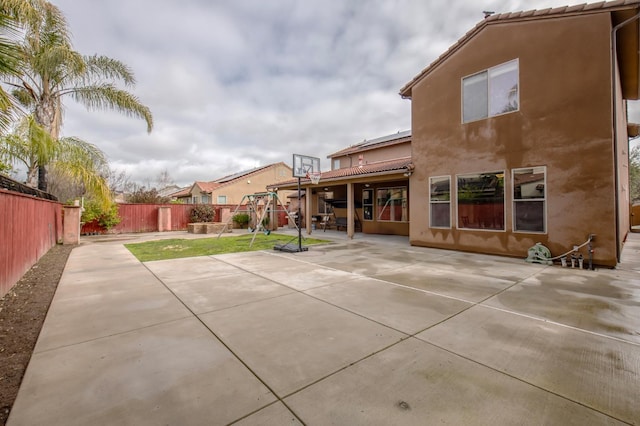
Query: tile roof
point(581, 9)
point(365, 145)
point(237, 175)
point(226, 180)
point(380, 167)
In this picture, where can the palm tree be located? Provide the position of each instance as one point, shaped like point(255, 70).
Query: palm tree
point(51, 70)
point(73, 158)
point(9, 57)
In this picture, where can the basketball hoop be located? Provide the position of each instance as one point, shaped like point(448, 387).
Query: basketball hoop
point(314, 177)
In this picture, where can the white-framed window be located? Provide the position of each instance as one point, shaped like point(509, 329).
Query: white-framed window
point(440, 202)
point(222, 199)
point(323, 206)
point(205, 199)
point(367, 204)
point(529, 199)
point(336, 164)
point(480, 199)
point(491, 92)
point(392, 204)
point(194, 200)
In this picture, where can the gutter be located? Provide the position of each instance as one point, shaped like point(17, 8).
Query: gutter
point(614, 62)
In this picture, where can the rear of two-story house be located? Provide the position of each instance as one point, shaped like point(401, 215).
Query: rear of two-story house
point(519, 134)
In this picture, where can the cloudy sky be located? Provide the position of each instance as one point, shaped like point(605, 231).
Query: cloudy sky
point(238, 84)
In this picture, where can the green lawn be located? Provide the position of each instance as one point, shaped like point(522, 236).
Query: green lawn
point(177, 248)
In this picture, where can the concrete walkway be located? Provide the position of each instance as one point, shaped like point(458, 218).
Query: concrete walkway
point(370, 331)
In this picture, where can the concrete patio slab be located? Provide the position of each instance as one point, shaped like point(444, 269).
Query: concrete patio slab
point(366, 265)
point(173, 373)
point(89, 284)
point(211, 294)
point(307, 338)
point(468, 287)
point(400, 308)
point(414, 383)
point(190, 269)
point(275, 414)
point(293, 340)
point(604, 302)
point(303, 276)
point(596, 371)
point(505, 268)
point(115, 310)
point(259, 261)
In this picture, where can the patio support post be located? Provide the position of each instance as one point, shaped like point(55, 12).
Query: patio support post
point(350, 211)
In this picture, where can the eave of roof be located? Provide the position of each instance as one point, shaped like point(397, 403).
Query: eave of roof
point(581, 9)
point(395, 166)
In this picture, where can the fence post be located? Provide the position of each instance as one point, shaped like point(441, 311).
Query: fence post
point(71, 225)
point(164, 218)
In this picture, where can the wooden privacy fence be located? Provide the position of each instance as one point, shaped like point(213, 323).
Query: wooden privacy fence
point(144, 218)
point(29, 227)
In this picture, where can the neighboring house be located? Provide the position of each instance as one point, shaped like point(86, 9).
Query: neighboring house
point(229, 190)
point(366, 190)
point(519, 133)
point(169, 190)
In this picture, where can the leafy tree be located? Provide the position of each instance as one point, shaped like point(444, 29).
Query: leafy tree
point(634, 174)
point(50, 71)
point(142, 195)
point(79, 161)
point(95, 211)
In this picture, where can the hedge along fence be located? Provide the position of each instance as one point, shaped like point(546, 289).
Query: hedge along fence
point(29, 227)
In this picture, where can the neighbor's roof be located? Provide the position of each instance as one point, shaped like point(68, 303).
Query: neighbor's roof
point(400, 137)
point(226, 180)
point(243, 173)
point(398, 165)
point(581, 9)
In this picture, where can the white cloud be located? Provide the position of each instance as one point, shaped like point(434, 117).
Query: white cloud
point(241, 83)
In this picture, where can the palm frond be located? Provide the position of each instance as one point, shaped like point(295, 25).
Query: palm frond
point(107, 96)
point(57, 64)
point(24, 97)
point(102, 67)
point(85, 163)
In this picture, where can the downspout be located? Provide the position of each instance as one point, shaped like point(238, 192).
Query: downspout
point(614, 62)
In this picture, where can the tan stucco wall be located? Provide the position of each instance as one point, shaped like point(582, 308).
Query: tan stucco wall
point(252, 184)
point(400, 150)
point(564, 123)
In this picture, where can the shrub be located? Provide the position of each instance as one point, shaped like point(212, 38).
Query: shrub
point(95, 211)
point(241, 219)
point(202, 213)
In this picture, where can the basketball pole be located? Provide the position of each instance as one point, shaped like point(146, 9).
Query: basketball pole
point(299, 218)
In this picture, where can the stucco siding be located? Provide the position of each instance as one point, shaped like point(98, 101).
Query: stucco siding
point(563, 123)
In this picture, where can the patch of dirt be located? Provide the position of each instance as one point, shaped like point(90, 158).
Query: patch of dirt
point(22, 313)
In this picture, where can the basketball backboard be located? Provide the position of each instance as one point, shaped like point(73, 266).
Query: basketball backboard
point(303, 165)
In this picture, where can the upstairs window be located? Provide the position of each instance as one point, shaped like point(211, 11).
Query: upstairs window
point(222, 199)
point(491, 92)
